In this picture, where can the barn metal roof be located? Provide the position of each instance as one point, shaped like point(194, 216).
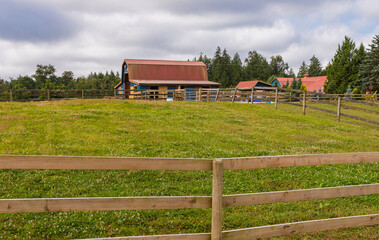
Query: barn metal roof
point(163, 62)
point(175, 82)
point(163, 70)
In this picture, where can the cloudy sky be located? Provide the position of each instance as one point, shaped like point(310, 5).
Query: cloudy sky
point(84, 36)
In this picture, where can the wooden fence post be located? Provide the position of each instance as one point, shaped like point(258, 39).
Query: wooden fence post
point(218, 91)
point(276, 98)
point(82, 93)
point(48, 94)
point(11, 95)
point(290, 96)
point(216, 232)
point(304, 99)
point(234, 95)
point(252, 95)
point(339, 109)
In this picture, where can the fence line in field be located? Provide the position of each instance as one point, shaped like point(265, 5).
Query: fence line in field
point(217, 201)
point(247, 95)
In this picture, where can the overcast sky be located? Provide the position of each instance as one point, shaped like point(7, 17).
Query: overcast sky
point(84, 36)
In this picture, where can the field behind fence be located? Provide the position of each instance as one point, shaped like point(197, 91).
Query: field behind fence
point(216, 202)
point(362, 107)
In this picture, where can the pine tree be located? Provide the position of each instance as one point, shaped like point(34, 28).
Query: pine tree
point(237, 70)
point(343, 69)
point(208, 63)
point(315, 67)
point(221, 68)
point(302, 70)
point(286, 85)
point(216, 63)
point(369, 72)
point(227, 70)
point(293, 84)
point(278, 66)
point(299, 83)
point(257, 67)
point(291, 73)
point(357, 64)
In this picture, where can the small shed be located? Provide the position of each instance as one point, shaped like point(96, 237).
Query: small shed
point(163, 75)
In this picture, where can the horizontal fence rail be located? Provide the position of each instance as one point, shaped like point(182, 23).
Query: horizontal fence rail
point(298, 195)
point(103, 163)
point(217, 201)
point(301, 227)
point(102, 204)
point(298, 160)
point(177, 202)
point(244, 95)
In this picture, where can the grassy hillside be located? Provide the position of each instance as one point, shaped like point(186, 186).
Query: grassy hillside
point(178, 129)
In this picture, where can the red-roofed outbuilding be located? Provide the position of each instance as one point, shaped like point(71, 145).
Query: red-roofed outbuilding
point(312, 83)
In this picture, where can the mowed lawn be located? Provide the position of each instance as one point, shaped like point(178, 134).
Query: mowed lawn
point(183, 130)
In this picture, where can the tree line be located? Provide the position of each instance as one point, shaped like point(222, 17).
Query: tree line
point(351, 70)
point(230, 71)
point(45, 78)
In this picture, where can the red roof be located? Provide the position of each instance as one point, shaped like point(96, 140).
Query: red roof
point(250, 84)
point(312, 83)
point(156, 71)
point(173, 82)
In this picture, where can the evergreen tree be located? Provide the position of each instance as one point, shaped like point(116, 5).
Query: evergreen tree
point(257, 67)
point(237, 70)
point(303, 69)
point(208, 62)
point(278, 66)
point(315, 67)
point(221, 68)
point(299, 83)
point(227, 69)
point(286, 85)
point(343, 69)
point(291, 73)
point(369, 72)
point(293, 84)
point(357, 65)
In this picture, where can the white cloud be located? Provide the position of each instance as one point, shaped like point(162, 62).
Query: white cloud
point(108, 31)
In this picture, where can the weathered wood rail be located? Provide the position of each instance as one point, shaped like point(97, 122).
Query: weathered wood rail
point(217, 201)
point(274, 95)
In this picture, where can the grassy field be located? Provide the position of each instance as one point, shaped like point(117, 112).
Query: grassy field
point(179, 129)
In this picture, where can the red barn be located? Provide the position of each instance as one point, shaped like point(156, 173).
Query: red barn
point(164, 75)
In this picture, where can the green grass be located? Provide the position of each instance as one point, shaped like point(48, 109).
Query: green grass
point(178, 129)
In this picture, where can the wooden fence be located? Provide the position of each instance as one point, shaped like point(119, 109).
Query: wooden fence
point(245, 95)
point(217, 201)
point(54, 94)
point(292, 97)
